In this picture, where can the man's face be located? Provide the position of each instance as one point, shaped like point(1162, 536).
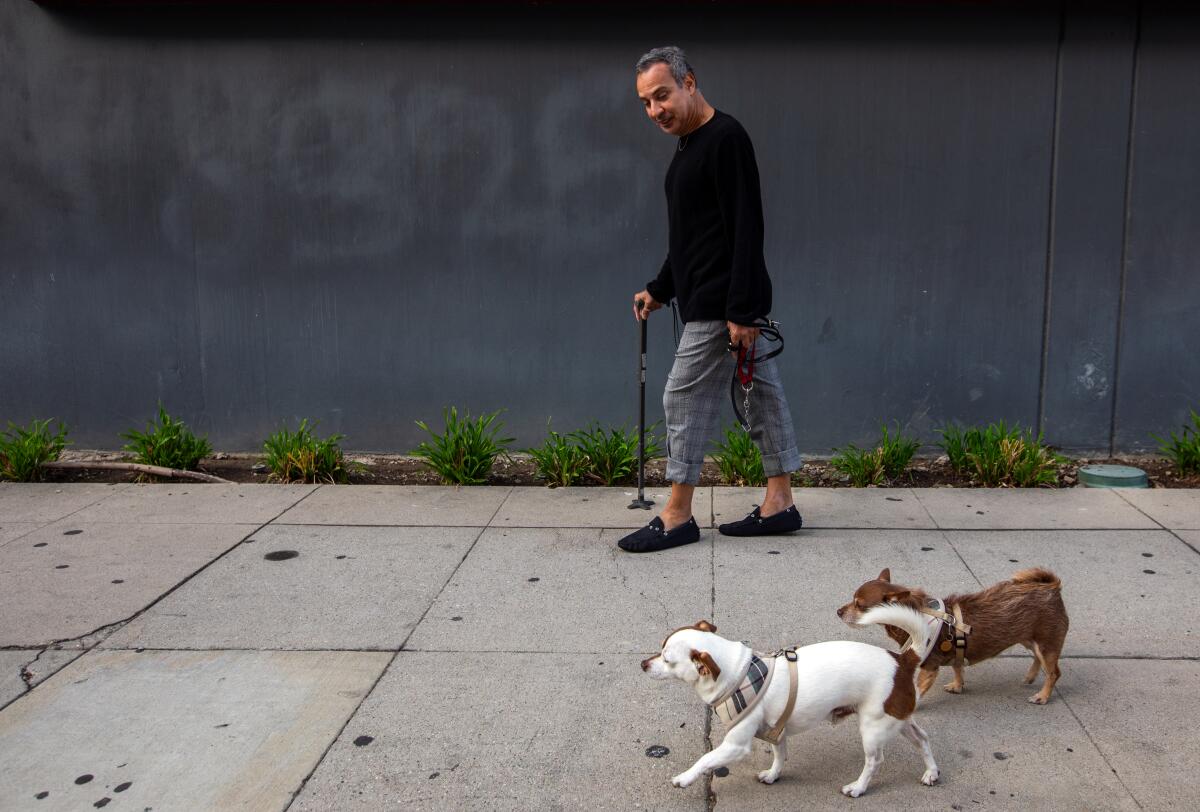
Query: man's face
point(667, 104)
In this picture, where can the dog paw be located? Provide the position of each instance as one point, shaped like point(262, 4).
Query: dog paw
point(683, 780)
point(852, 791)
point(768, 776)
point(930, 777)
point(953, 687)
point(1038, 699)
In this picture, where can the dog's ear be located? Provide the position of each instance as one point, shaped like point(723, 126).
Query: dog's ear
point(705, 665)
point(705, 626)
point(886, 575)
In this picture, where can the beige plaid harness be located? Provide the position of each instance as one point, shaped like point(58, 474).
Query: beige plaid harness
point(752, 687)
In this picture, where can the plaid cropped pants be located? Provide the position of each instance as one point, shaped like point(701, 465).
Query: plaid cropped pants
point(697, 394)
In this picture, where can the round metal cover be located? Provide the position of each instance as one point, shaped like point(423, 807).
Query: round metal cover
point(1113, 476)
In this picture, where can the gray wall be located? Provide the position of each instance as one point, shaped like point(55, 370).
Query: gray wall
point(362, 214)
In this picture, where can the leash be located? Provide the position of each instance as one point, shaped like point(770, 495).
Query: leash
point(743, 371)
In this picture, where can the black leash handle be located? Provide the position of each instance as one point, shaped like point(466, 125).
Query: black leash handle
point(767, 329)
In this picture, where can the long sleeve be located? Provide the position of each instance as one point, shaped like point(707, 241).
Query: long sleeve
point(662, 287)
point(740, 198)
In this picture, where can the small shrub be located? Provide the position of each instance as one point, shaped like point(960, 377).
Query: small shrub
point(300, 456)
point(1000, 455)
point(863, 466)
point(954, 443)
point(463, 454)
point(1183, 450)
point(167, 443)
point(612, 455)
point(22, 451)
point(560, 461)
point(895, 452)
point(878, 465)
point(739, 459)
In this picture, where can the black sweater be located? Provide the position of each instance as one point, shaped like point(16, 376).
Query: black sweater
point(715, 265)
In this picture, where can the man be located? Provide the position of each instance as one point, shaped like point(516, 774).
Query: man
point(716, 272)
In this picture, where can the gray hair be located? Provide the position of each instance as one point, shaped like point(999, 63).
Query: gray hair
point(671, 56)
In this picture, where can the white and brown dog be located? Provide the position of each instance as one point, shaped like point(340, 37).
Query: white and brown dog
point(823, 681)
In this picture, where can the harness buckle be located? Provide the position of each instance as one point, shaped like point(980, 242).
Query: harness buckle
point(790, 654)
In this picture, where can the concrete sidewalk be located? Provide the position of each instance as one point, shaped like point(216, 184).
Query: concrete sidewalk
point(183, 647)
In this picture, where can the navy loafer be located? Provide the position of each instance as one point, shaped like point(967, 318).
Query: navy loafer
point(652, 537)
point(757, 525)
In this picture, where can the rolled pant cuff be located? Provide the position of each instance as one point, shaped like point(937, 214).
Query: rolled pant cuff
point(683, 473)
point(782, 463)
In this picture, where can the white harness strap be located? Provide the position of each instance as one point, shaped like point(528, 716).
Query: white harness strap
point(958, 630)
point(936, 615)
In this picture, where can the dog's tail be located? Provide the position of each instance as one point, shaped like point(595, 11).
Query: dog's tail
point(912, 622)
point(1037, 577)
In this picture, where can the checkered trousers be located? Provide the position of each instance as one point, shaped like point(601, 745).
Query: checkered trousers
point(697, 397)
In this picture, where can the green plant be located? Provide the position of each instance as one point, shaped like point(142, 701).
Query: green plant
point(22, 451)
point(875, 466)
point(739, 459)
point(463, 454)
point(1183, 450)
point(300, 456)
point(895, 452)
point(613, 455)
point(864, 466)
point(1000, 455)
point(559, 460)
point(954, 443)
point(167, 443)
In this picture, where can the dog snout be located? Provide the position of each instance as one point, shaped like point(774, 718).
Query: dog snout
point(841, 610)
point(646, 663)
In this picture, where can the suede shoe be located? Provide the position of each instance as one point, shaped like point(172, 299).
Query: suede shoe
point(652, 537)
point(785, 521)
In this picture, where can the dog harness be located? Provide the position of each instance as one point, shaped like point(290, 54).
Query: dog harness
point(752, 687)
point(953, 622)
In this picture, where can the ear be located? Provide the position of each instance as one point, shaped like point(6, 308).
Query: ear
point(705, 665)
point(886, 575)
point(705, 626)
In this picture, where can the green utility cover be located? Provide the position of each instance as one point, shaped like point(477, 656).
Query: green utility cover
point(1113, 476)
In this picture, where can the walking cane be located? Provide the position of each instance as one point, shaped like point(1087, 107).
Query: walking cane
point(641, 501)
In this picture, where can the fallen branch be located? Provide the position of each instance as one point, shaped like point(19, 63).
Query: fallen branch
point(155, 470)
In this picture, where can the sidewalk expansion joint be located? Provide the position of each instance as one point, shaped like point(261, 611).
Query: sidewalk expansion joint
point(1177, 537)
point(946, 538)
point(1062, 696)
point(349, 718)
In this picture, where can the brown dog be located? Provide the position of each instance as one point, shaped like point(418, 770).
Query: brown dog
point(1027, 609)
